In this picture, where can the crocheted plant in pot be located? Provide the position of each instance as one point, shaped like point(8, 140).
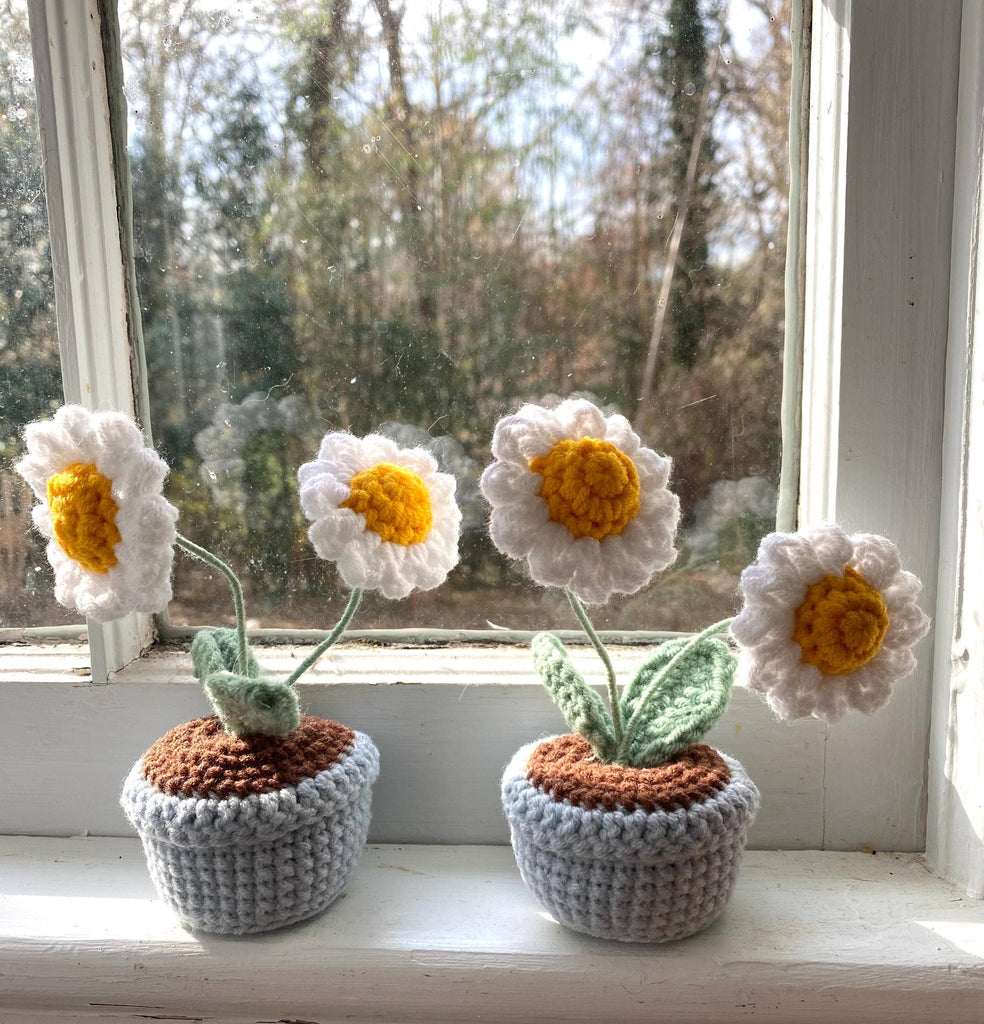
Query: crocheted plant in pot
point(630, 828)
point(255, 817)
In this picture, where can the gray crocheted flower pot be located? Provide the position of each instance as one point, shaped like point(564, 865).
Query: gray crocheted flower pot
point(240, 864)
point(636, 876)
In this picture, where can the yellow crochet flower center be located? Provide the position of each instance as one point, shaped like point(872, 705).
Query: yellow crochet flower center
point(394, 501)
point(83, 515)
point(590, 486)
point(841, 624)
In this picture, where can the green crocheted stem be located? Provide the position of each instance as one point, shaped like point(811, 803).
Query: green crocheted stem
point(239, 603)
point(583, 710)
point(354, 601)
point(669, 705)
point(245, 704)
point(582, 615)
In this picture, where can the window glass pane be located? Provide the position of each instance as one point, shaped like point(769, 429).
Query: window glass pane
point(411, 218)
point(30, 380)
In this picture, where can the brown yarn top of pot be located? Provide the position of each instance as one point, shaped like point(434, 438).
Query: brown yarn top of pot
point(566, 768)
point(199, 758)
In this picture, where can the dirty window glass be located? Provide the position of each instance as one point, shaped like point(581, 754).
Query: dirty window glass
point(411, 218)
point(30, 379)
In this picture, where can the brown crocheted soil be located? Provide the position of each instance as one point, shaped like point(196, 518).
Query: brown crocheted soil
point(566, 768)
point(198, 758)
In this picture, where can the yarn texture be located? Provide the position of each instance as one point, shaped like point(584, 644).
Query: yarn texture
point(100, 504)
point(577, 495)
point(383, 514)
point(236, 865)
point(589, 486)
point(829, 622)
point(246, 704)
point(631, 875)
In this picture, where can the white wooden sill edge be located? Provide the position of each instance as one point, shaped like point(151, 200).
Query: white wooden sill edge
point(449, 933)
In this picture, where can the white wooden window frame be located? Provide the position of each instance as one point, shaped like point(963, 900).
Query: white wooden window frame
point(878, 292)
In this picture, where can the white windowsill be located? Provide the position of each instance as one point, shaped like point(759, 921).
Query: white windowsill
point(443, 933)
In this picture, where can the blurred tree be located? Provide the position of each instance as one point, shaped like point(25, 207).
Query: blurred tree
point(30, 379)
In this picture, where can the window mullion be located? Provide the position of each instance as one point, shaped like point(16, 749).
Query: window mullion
point(883, 122)
point(954, 844)
point(86, 252)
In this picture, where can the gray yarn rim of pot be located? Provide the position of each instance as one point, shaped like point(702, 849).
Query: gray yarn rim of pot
point(631, 837)
point(196, 822)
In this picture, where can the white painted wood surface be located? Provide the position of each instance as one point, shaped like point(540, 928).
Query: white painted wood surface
point(445, 721)
point(955, 841)
point(877, 325)
point(432, 934)
point(86, 251)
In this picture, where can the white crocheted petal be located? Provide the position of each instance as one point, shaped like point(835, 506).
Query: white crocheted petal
point(115, 432)
point(761, 585)
point(516, 528)
point(832, 546)
point(659, 512)
point(376, 448)
point(320, 492)
point(41, 517)
point(530, 432)
point(809, 555)
point(653, 469)
point(907, 623)
point(420, 461)
point(650, 545)
point(343, 452)
point(331, 533)
point(318, 469)
point(135, 473)
point(619, 432)
point(773, 664)
point(442, 487)
point(876, 558)
point(552, 556)
point(49, 452)
point(78, 427)
point(358, 561)
point(591, 579)
point(761, 619)
point(503, 483)
point(623, 568)
point(581, 418)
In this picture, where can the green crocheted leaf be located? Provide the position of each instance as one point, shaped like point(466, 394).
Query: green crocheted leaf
point(217, 650)
point(246, 705)
point(665, 718)
point(582, 708)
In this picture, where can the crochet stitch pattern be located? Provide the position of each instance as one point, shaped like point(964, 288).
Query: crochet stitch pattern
point(828, 622)
point(83, 516)
point(841, 623)
point(634, 876)
point(394, 501)
point(565, 768)
point(100, 504)
point(589, 486)
point(200, 759)
point(239, 865)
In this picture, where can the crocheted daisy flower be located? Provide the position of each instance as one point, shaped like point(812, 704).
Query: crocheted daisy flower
point(382, 513)
point(576, 494)
point(111, 531)
point(829, 622)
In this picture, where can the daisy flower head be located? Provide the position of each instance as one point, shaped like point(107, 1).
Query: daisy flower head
point(382, 513)
point(577, 495)
point(828, 623)
point(110, 530)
